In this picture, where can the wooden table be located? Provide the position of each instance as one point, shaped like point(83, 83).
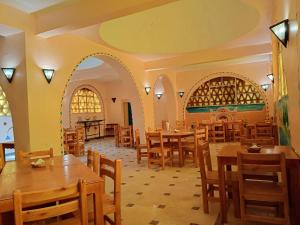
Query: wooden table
point(228, 156)
point(59, 171)
point(178, 136)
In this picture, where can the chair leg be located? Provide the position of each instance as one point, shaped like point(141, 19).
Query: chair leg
point(205, 198)
point(117, 217)
point(236, 200)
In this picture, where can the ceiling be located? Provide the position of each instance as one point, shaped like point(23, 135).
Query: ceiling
point(180, 27)
point(31, 6)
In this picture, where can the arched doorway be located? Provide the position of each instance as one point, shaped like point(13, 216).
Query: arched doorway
point(114, 86)
point(164, 106)
point(6, 128)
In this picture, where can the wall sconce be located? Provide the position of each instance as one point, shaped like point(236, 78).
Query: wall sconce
point(48, 73)
point(271, 77)
point(158, 95)
point(9, 73)
point(181, 93)
point(265, 87)
point(147, 90)
point(114, 99)
point(281, 31)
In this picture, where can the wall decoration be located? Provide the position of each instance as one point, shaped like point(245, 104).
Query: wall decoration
point(232, 92)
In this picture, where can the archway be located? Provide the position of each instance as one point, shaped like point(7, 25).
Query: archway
point(226, 94)
point(165, 106)
point(6, 127)
point(114, 85)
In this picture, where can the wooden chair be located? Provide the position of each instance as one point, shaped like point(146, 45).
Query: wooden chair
point(263, 130)
point(264, 142)
point(192, 146)
point(73, 196)
point(234, 130)
point(139, 147)
point(71, 143)
point(210, 179)
point(126, 138)
point(180, 125)
point(91, 161)
point(80, 140)
point(36, 154)
point(111, 204)
point(157, 152)
point(263, 193)
point(2, 160)
point(218, 131)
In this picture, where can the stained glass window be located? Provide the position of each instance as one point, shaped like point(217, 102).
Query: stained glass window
point(4, 107)
point(223, 91)
point(85, 101)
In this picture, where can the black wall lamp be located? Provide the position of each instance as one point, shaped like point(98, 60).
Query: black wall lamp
point(114, 99)
point(281, 31)
point(9, 73)
point(158, 95)
point(271, 77)
point(181, 93)
point(147, 89)
point(48, 73)
point(265, 87)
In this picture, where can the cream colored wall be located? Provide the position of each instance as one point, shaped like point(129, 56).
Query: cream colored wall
point(189, 80)
point(63, 53)
point(12, 51)
point(289, 9)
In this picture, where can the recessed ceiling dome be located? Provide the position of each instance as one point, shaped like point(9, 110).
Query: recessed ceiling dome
point(181, 26)
point(89, 63)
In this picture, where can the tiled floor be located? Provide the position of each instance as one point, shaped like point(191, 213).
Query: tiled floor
point(154, 196)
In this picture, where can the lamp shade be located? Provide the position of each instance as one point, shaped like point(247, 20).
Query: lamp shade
point(147, 90)
point(265, 87)
point(9, 73)
point(181, 93)
point(281, 31)
point(271, 76)
point(48, 73)
point(158, 95)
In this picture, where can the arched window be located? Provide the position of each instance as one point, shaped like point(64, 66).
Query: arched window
point(225, 91)
point(85, 101)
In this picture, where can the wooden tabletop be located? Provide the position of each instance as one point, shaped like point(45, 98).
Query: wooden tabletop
point(177, 134)
point(58, 172)
point(230, 151)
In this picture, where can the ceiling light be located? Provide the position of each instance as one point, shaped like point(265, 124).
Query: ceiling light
point(281, 31)
point(9, 73)
point(48, 73)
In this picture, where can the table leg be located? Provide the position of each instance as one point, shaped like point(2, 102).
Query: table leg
point(180, 152)
point(223, 207)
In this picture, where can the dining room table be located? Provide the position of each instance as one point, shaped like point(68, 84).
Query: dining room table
point(178, 136)
point(58, 172)
point(227, 157)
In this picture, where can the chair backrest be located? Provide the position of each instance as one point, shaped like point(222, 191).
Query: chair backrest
point(264, 142)
point(263, 130)
point(74, 196)
point(180, 124)
point(204, 159)
point(36, 154)
point(80, 134)
point(137, 137)
point(258, 164)
point(111, 169)
point(92, 160)
point(218, 126)
point(202, 133)
point(154, 140)
point(164, 124)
